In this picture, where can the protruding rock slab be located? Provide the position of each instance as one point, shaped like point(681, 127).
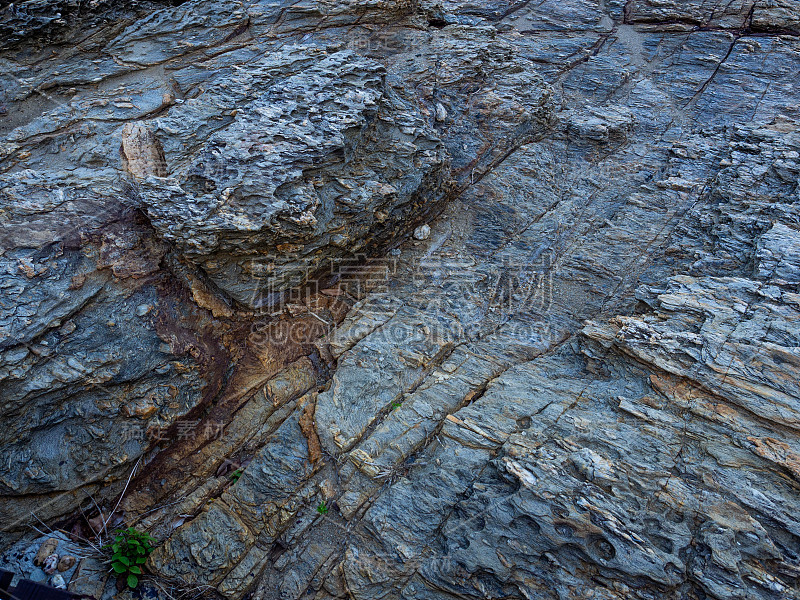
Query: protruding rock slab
point(319, 165)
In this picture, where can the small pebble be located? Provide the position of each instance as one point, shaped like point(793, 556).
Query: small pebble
point(422, 232)
point(58, 582)
point(66, 563)
point(50, 564)
point(45, 550)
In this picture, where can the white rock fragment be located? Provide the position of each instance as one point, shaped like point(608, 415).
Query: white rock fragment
point(50, 564)
point(58, 582)
point(423, 232)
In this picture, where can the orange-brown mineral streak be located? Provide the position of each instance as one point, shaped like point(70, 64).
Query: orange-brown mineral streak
point(142, 152)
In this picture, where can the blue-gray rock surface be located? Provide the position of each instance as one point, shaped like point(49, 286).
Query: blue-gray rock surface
point(578, 380)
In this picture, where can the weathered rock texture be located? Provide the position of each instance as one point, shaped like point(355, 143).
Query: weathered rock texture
point(580, 382)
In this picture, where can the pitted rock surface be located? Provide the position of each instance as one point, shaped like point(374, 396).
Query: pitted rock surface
point(322, 164)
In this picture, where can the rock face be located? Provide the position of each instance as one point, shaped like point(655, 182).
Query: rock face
point(404, 300)
point(320, 161)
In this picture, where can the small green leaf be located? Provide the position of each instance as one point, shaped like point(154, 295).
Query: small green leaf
point(130, 552)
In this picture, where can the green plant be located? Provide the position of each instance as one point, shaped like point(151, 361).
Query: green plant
point(322, 508)
point(236, 474)
point(129, 552)
point(396, 405)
